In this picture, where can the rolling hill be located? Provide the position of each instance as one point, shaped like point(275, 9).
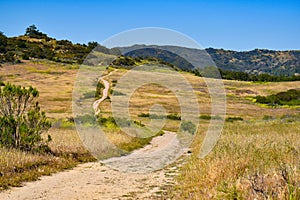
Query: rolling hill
point(258, 61)
point(36, 45)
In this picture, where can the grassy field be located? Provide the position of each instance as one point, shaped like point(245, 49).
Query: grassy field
point(257, 157)
point(55, 83)
point(251, 160)
point(254, 158)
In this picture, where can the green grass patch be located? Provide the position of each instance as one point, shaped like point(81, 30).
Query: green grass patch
point(62, 110)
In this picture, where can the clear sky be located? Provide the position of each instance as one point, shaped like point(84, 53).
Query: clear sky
point(231, 24)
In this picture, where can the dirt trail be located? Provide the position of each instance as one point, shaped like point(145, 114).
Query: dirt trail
point(97, 181)
point(162, 151)
point(104, 95)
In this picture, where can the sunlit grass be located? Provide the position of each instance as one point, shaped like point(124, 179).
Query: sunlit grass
point(248, 157)
point(264, 144)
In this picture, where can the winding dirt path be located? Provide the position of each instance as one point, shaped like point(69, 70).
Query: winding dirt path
point(104, 95)
point(113, 178)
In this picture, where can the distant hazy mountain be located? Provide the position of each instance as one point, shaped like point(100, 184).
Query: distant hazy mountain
point(256, 61)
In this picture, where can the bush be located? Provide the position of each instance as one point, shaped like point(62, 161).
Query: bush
point(21, 120)
point(99, 88)
point(290, 97)
point(232, 119)
point(124, 61)
point(144, 115)
point(116, 93)
point(139, 123)
point(209, 117)
point(151, 116)
point(268, 117)
point(205, 117)
point(85, 119)
point(25, 57)
point(174, 116)
point(188, 126)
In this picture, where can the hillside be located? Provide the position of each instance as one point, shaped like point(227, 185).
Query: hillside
point(279, 63)
point(37, 45)
point(258, 61)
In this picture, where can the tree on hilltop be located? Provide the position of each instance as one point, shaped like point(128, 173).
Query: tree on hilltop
point(32, 31)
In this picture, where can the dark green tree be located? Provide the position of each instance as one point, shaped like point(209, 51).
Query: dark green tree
point(9, 56)
point(92, 45)
point(21, 120)
point(32, 31)
point(3, 42)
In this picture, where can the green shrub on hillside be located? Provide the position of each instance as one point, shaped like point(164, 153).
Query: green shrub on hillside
point(188, 126)
point(209, 117)
point(290, 97)
point(22, 122)
point(232, 119)
point(174, 116)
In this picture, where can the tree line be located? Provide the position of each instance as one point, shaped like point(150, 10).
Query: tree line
point(214, 72)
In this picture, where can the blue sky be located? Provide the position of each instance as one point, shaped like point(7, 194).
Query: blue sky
point(232, 24)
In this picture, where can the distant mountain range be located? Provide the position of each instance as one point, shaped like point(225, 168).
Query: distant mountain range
point(258, 61)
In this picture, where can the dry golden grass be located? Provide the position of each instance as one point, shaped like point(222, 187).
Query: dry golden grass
point(253, 159)
point(17, 167)
point(247, 163)
point(55, 83)
point(246, 152)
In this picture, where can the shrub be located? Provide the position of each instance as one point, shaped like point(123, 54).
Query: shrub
point(21, 120)
point(144, 115)
point(116, 93)
point(155, 116)
point(205, 117)
point(209, 117)
point(188, 126)
point(151, 116)
point(290, 97)
point(139, 123)
point(110, 121)
point(99, 88)
point(174, 116)
point(85, 119)
point(232, 119)
point(124, 61)
point(267, 117)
